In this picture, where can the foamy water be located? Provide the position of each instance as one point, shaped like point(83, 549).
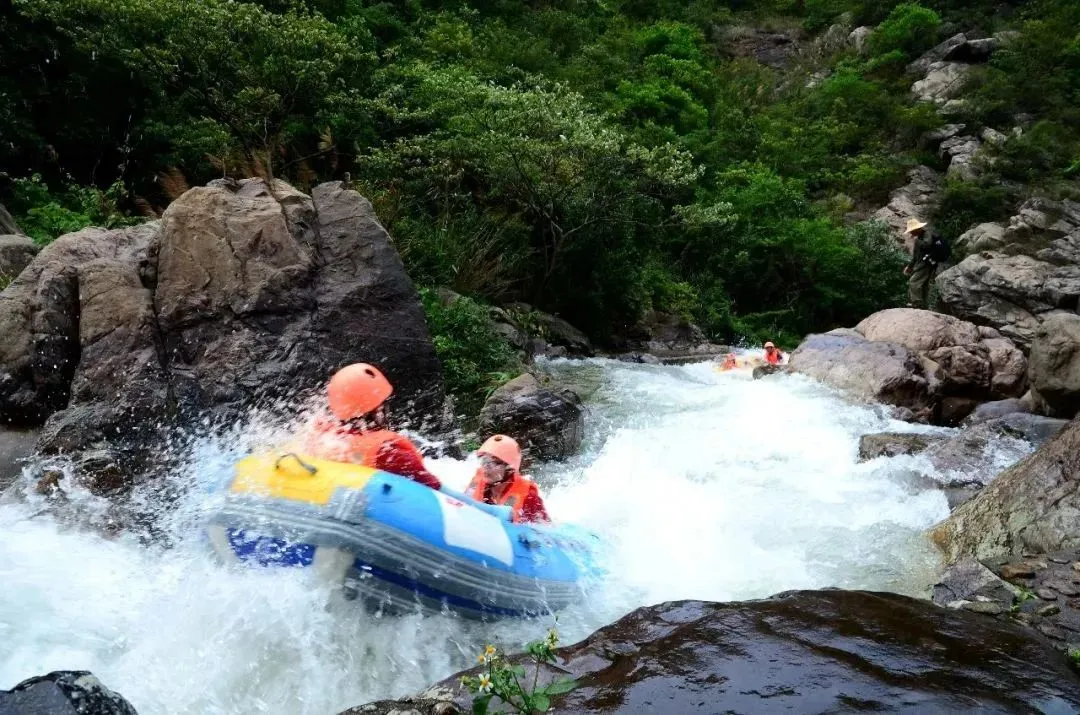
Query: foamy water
point(705, 485)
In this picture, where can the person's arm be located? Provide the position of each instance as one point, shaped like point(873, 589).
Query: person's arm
point(532, 508)
point(396, 458)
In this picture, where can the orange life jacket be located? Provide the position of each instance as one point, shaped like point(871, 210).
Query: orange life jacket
point(333, 441)
point(773, 358)
point(513, 497)
point(730, 363)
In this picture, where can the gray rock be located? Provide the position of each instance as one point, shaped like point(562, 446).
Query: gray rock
point(8, 227)
point(972, 51)
point(943, 81)
point(948, 131)
point(16, 252)
point(1055, 364)
point(998, 408)
point(894, 444)
point(549, 423)
point(1032, 507)
point(984, 237)
point(922, 65)
point(63, 692)
point(877, 371)
point(919, 197)
point(858, 38)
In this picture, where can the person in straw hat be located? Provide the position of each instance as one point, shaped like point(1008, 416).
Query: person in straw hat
point(928, 252)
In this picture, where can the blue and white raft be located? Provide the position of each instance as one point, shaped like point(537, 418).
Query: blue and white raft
point(396, 543)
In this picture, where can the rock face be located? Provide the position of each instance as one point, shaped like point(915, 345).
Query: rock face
point(807, 652)
point(16, 252)
point(548, 423)
point(1055, 364)
point(943, 81)
point(63, 692)
point(243, 293)
point(878, 371)
point(936, 54)
point(919, 197)
point(1033, 506)
point(948, 365)
point(1025, 270)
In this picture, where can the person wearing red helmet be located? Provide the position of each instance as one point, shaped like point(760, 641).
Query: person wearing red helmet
point(499, 481)
point(357, 395)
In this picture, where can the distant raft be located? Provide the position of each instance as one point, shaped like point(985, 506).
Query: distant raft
point(396, 544)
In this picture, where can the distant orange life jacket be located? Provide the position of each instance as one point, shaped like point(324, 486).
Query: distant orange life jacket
point(513, 497)
point(773, 358)
point(730, 363)
point(336, 442)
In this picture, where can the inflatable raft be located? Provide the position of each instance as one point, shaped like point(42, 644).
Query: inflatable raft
point(395, 543)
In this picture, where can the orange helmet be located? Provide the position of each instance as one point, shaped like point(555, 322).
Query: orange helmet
point(769, 345)
point(356, 390)
point(503, 448)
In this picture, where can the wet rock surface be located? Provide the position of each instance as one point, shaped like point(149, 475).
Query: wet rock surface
point(804, 651)
point(1033, 507)
point(16, 252)
point(1055, 364)
point(894, 444)
point(65, 692)
point(548, 421)
point(1039, 592)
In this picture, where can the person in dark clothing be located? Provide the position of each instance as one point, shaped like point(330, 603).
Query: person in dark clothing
point(929, 251)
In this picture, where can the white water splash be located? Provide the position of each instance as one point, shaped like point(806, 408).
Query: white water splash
point(706, 485)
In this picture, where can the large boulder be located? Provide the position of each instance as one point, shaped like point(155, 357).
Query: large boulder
point(1011, 293)
point(894, 444)
point(669, 337)
point(1055, 364)
point(63, 692)
point(16, 252)
point(877, 371)
point(1033, 506)
point(955, 363)
point(244, 293)
point(984, 237)
point(943, 81)
point(827, 651)
point(549, 423)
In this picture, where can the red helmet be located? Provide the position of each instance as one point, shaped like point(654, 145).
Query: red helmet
point(356, 390)
point(503, 448)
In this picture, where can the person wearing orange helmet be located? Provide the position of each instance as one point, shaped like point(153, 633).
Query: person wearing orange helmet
point(772, 355)
point(730, 362)
point(357, 395)
point(499, 481)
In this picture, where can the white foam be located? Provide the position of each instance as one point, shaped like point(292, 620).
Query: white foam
point(706, 485)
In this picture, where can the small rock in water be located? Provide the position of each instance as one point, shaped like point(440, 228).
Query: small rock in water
point(1050, 631)
point(1046, 594)
point(1021, 569)
point(1060, 559)
point(1050, 610)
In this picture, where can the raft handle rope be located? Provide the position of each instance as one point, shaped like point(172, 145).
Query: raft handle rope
point(309, 468)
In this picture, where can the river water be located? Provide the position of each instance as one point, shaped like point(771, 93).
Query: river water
point(705, 485)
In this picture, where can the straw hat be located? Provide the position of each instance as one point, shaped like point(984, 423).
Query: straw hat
point(914, 224)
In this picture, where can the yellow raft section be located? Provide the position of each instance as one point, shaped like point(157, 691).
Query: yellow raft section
point(297, 477)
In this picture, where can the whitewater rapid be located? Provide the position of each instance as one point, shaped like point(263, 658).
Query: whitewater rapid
point(706, 485)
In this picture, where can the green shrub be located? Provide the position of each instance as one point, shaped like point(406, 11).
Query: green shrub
point(474, 357)
point(965, 204)
point(910, 28)
point(45, 216)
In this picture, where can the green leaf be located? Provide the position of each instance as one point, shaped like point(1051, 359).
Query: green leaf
point(480, 704)
point(559, 687)
point(540, 702)
point(518, 670)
